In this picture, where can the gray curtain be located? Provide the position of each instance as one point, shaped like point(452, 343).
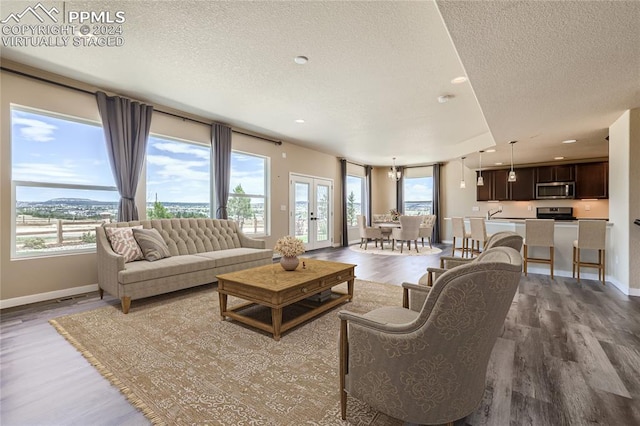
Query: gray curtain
point(221, 152)
point(126, 129)
point(399, 192)
point(343, 179)
point(368, 210)
point(436, 201)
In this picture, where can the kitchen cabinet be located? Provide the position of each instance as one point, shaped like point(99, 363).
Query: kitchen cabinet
point(560, 173)
point(523, 189)
point(495, 186)
point(592, 180)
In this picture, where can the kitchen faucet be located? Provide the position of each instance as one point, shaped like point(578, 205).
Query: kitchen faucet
point(490, 213)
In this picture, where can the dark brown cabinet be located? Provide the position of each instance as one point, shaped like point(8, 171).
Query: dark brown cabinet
point(561, 173)
point(495, 186)
point(592, 180)
point(523, 189)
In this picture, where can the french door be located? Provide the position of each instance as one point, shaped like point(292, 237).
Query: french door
point(311, 210)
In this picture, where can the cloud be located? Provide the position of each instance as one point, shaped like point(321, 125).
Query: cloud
point(182, 148)
point(40, 172)
point(179, 170)
point(34, 130)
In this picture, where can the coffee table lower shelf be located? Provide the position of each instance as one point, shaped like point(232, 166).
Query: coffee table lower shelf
point(277, 327)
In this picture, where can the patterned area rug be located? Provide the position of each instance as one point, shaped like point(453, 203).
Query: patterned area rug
point(372, 249)
point(175, 360)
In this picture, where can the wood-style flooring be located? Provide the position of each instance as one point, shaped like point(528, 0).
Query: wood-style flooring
point(569, 355)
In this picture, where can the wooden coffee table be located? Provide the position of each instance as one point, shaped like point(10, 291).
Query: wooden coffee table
point(272, 286)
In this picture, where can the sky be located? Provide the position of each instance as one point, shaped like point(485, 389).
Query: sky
point(51, 149)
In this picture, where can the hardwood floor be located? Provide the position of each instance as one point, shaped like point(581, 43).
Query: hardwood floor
point(569, 355)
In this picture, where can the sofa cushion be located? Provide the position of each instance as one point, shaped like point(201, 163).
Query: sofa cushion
point(143, 270)
point(236, 255)
point(123, 242)
point(151, 243)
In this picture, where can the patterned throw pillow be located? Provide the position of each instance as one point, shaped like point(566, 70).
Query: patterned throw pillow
point(152, 244)
point(123, 242)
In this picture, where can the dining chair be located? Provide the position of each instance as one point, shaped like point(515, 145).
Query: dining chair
point(460, 232)
point(592, 235)
point(369, 233)
point(426, 228)
point(408, 231)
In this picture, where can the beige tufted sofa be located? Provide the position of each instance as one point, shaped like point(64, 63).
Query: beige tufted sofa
point(200, 249)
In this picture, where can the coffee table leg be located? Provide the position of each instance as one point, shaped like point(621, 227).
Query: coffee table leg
point(223, 305)
point(276, 321)
point(350, 289)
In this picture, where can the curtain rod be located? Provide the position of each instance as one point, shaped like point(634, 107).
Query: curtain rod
point(88, 92)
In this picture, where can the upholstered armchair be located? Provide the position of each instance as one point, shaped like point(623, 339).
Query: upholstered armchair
point(426, 228)
point(368, 232)
point(408, 231)
point(414, 294)
point(429, 366)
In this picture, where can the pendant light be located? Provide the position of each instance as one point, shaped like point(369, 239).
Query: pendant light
point(394, 173)
point(462, 184)
point(512, 174)
point(480, 178)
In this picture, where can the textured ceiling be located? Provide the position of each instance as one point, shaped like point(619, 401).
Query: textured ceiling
point(542, 72)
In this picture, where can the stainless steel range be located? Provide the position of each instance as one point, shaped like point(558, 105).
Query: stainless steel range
point(557, 213)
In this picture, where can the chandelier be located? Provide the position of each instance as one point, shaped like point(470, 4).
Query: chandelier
point(394, 173)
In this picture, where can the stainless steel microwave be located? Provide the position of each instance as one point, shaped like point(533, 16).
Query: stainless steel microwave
point(555, 190)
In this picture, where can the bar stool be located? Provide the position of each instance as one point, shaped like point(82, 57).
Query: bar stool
point(538, 233)
point(592, 235)
point(459, 231)
point(478, 234)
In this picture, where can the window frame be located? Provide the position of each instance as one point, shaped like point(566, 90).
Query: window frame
point(267, 194)
point(362, 180)
point(15, 183)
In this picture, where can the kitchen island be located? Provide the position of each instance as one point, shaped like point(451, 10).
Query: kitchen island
point(566, 232)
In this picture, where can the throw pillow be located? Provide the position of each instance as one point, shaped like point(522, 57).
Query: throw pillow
point(123, 242)
point(152, 244)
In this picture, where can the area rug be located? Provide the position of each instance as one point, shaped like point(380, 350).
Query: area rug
point(180, 364)
point(372, 249)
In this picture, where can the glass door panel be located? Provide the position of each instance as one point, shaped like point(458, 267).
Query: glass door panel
point(311, 210)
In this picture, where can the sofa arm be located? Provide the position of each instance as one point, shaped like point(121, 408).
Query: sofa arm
point(448, 262)
point(109, 264)
point(414, 295)
point(251, 242)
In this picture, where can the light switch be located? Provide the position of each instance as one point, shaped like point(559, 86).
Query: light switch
point(284, 155)
point(587, 207)
point(475, 208)
point(283, 207)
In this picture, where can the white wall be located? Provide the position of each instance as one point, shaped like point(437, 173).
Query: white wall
point(619, 166)
point(29, 280)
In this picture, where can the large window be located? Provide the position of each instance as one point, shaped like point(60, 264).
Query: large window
point(355, 202)
point(62, 183)
point(418, 194)
point(248, 202)
point(178, 178)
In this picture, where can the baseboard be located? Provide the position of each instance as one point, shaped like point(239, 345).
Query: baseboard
point(634, 292)
point(51, 295)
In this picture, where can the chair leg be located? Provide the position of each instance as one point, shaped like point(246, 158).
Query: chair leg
point(344, 354)
point(578, 262)
point(366, 242)
point(422, 241)
point(430, 246)
point(453, 250)
point(402, 246)
point(551, 252)
point(573, 263)
point(525, 257)
point(393, 245)
point(415, 242)
point(603, 263)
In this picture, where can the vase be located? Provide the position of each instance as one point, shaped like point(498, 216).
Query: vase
point(289, 263)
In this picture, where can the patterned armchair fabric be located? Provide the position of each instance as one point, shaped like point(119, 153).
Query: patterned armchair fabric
point(429, 366)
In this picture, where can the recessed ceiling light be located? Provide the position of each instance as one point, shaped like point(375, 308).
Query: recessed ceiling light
point(459, 80)
point(490, 150)
point(299, 120)
point(444, 98)
point(558, 158)
point(300, 60)
point(570, 141)
point(499, 164)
